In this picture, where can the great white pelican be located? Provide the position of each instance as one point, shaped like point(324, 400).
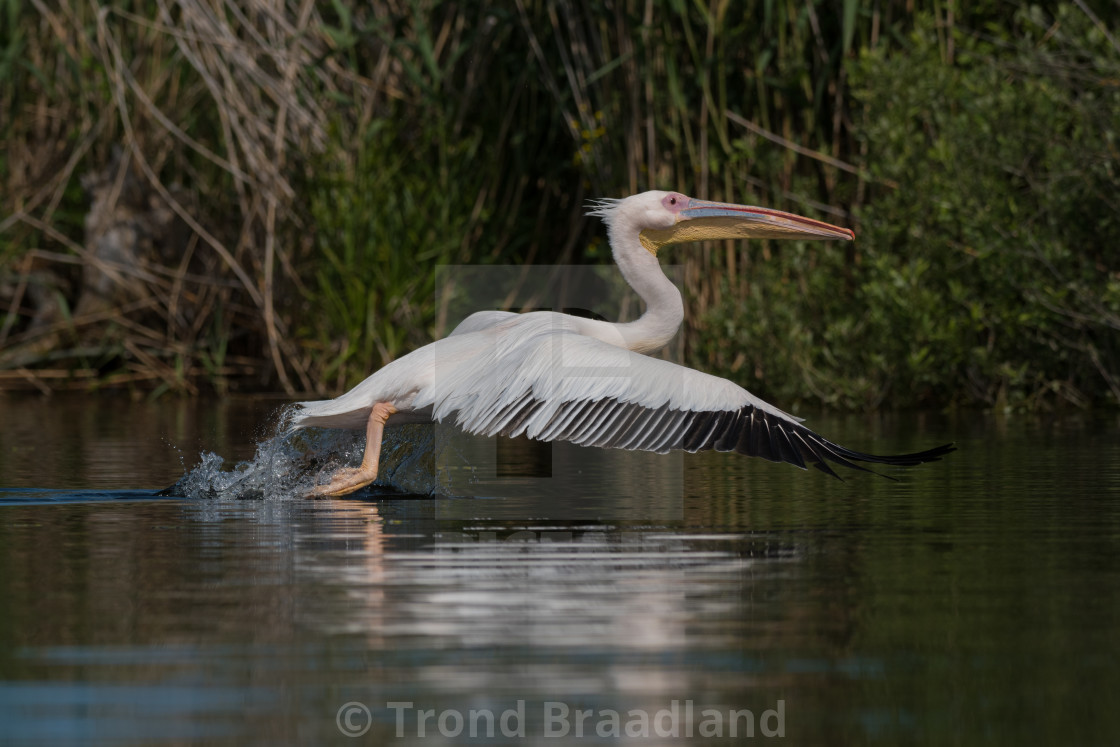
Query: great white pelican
point(556, 377)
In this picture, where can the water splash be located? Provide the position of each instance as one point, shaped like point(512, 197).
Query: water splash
point(290, 463)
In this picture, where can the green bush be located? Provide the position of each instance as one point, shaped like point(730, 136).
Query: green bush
point(989, 274)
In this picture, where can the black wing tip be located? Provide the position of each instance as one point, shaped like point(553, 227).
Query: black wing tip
point(754, 432)
point(935, 454)
point(905, 460)
point(841, 455)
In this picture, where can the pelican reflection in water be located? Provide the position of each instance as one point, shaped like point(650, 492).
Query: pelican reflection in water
point(556, 377)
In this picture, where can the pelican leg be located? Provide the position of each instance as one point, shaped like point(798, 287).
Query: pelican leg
point(349, 479)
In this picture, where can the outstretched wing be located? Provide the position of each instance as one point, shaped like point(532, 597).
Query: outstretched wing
point(551, 383)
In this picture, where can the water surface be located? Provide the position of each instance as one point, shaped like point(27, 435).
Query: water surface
point(974, 601)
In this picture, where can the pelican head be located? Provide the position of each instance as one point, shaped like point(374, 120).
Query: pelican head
point(663, 218)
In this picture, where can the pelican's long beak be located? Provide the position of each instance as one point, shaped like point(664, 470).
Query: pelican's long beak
point(701, 220)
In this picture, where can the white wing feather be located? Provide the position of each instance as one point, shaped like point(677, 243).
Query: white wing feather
point(538, 375)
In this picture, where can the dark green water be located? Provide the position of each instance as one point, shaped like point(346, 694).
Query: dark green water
point(976, 601)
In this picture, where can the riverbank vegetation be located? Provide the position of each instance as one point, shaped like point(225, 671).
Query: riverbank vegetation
point(254, 195)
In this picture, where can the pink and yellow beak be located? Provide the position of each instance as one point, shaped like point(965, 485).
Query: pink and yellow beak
point(700, 220)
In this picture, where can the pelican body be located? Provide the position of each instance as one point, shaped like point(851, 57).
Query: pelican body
point(556, 377)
